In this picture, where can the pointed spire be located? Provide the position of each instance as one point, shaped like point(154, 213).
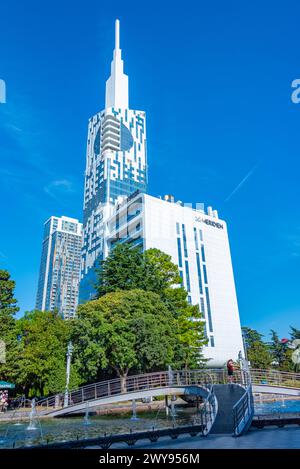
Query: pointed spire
point(117, 85)
point(117, 35)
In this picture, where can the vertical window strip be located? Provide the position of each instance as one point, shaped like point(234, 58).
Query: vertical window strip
point(178, 229)
point(202, 253)
point(179, 252)
point(196, 239)
point(199, 273)
point(184, 241)
point(201, 235)
point(208, 310)
point(205, 333)
point(202, 309)
point(205, 274)
point(212, 341)
point(187, 274)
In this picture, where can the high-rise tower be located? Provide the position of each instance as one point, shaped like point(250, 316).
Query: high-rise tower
point(60, 266)
point(116, 165)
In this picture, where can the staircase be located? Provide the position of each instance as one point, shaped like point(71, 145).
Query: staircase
point(227, 396)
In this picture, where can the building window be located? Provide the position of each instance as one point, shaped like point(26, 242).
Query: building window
point(196, 239)
point(187, 274)
point(177, 228)
point(199, 273)
point(205, 274)
point(202, 309)
point(205, 333)
point(201, 235)
point(189, 299)
point(179, 252)
point(184, 242)
point(212, 341)
point(202, 253)
point(208, 310)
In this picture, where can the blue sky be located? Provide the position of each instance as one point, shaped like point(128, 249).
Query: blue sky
point(215, 81)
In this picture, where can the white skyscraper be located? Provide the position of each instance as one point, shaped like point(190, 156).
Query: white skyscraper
point(59, 276)
point(115, 165)
point(117, 210)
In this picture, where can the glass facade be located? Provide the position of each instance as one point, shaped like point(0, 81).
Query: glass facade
point(60, 267)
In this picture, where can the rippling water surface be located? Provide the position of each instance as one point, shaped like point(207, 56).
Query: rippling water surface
point(14, 434)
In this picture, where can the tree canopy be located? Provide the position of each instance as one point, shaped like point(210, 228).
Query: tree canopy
point(43, 337)
point(153, 270)
point(123, 330)
point(128, 268)
point(258, 352)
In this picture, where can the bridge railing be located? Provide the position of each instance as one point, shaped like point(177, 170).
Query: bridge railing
point(243, 410)
point(209, 411)
point(149, 381)
point(133, 383)
point(275, 378)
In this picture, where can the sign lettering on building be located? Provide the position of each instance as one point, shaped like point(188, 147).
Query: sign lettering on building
point(210, 222)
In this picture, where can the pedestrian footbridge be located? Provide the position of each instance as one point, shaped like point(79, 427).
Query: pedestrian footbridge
point(225, 408)
point(136, 387)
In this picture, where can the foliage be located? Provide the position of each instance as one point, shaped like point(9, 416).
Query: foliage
point(8, 305)
point(257, 351)
point(123, 269)
point(8, 310)
point(128, 268)
point(295, 333)
point(281, 354)
point(123, 330)
point(152, 270)
point(43, 338)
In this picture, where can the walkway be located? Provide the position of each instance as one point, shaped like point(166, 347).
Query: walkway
point(268, 438)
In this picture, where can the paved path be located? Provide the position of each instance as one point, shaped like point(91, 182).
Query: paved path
point(267, 438)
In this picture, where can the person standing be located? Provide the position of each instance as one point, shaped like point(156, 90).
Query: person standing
point(230, 370)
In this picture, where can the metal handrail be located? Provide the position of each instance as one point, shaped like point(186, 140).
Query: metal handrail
point(133, 383)
point(243, 410)
point(148, 381)
point(208, 412)
point(273, 377)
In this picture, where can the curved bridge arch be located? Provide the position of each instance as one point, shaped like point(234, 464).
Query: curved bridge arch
point(130, 396)
point(195, 382)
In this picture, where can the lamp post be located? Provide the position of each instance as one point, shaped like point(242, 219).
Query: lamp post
point(68, 369)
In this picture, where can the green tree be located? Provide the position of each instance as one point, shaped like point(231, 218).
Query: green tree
point(8, 336)
point(257, 350)
point(8, 304)
point(153, 270)
point(281, 354)
point(123, 269)
point(123, 330)
point(43, 337)
point(294, 333)
point(128, 268)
